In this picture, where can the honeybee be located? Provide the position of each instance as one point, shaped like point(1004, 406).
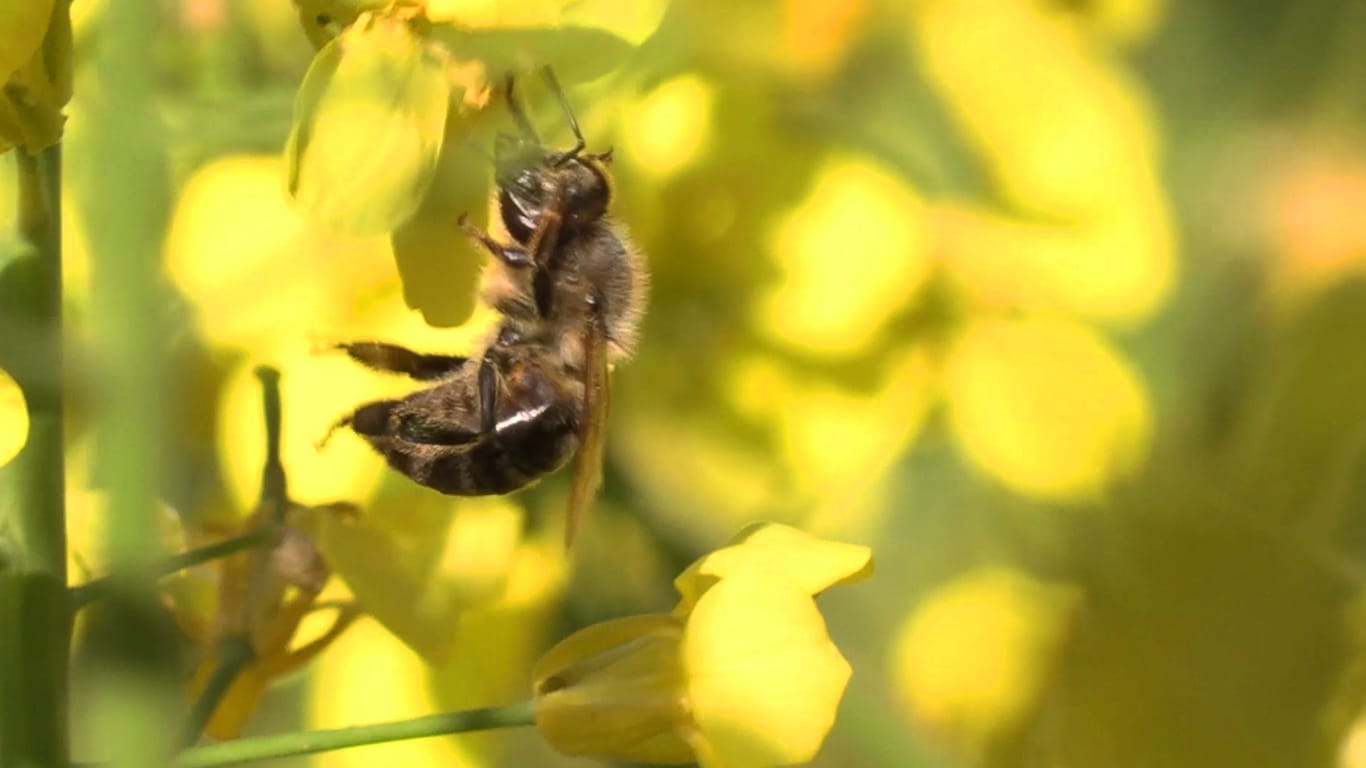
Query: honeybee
point(570, 290)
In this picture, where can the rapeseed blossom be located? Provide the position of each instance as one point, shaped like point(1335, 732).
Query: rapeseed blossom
point(741, 673)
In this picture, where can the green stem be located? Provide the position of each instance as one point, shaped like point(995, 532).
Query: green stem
point(131, 688)
point(274, 488)
point(84, 594)
point(35, 631)
point(31, 350)
point(309, 742)
point(234, 654)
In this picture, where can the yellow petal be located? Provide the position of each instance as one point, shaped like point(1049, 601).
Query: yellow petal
point(576, 53)
point(39, 87)
point(779, 553)
point(439, 264)
point(581, 39)
point(322, 20)
point(616, 689)
point(977, 652)
point(382, 576)
point(1047, 407)
point(21, 31)
point(765, 680)
point(370, 123)
point(419, 570)
point(13, 418)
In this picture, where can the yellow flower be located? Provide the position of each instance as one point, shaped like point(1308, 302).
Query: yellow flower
point(742, 673)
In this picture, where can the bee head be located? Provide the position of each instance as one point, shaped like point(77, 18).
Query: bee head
point(530, 175)
point(586, 187)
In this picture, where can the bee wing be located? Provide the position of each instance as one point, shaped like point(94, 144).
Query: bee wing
point(593, 430)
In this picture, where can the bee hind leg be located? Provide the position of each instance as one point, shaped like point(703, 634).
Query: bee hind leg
point(391, 358)
point(369, 420)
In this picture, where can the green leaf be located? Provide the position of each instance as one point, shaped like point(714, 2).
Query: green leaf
point(368, 129)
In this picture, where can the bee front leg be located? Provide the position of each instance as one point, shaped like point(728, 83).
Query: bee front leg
point(391, 358)
point(511, 255)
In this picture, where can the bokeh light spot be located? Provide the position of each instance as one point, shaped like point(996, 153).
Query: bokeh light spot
point(13, 418)
point(232, 223)
point(671, 127)
point(1313, 206)
point(368, 676)
point(260, 277)
point(1047, 407)
point(975, 654)
point(852, 255)
point(1065, 133)
point(1117, 267)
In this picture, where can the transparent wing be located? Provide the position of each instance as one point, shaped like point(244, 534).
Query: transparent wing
point(593, 431)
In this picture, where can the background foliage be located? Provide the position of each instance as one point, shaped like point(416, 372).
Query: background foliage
point(1057, 304)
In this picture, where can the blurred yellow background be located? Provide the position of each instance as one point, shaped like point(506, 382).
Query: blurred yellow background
point(1057, 305)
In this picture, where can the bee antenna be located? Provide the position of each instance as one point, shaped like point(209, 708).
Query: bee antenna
point(518, 115)
point(579, 143)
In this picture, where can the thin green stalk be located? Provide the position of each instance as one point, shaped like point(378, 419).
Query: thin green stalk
point(32, 504)
point(84, 594)
point(274, 488)
point(234, 654)
point(35, 624)
point(132, 687)
point(310, 742)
